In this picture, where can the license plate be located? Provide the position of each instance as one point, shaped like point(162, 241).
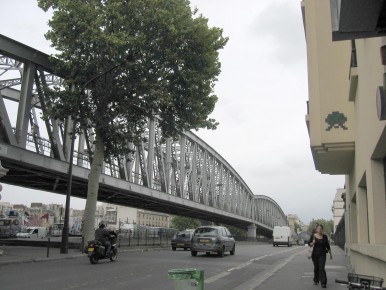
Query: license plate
point(90, 249)
point(204, 241)
point(180, 244)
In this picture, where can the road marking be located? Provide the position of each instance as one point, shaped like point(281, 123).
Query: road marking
point(241, 266)
point(261, 277)
point(216, 277)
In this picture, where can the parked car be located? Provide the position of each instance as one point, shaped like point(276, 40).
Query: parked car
point(210, 239)
point(182, 240)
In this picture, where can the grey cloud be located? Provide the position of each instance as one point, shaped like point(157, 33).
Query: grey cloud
point(280, 23)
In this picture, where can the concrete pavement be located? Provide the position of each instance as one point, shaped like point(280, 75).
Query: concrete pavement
point(295, 272)
point(27, 254)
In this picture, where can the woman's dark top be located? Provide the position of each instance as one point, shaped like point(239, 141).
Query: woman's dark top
point(321, 246)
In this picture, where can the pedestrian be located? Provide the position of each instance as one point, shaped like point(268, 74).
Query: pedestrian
point(319, 243)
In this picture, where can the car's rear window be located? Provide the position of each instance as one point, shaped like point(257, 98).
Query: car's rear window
point(183, 235)
point(206, 232)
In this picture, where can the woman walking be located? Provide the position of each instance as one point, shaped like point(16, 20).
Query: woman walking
point(321, 247)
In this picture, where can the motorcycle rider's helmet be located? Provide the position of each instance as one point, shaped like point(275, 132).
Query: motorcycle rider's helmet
point(102, 224)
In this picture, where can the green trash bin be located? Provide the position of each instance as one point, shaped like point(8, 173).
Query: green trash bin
point(187, 279)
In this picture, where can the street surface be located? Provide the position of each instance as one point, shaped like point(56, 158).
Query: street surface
point(250, 267)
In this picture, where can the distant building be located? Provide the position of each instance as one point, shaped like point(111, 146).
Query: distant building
point(293, 220)
point(4, 208)
point(116, 216)
point(20, 207)
point(153, 219)
point(338, 207)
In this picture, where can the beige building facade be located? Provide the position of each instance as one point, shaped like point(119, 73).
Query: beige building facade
point(338, 208)
point(116, 216)
point(153, 219)
point(347, 136)
point(295, 223)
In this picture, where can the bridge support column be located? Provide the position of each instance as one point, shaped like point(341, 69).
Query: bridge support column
point(252, 232)
point(3, 171)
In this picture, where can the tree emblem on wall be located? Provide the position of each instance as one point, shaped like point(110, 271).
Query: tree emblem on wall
point(336, 120)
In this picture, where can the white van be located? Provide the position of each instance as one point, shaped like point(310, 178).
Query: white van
point(33, 232)
point(282, 236)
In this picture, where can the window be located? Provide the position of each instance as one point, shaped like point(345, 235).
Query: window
point(206, 232)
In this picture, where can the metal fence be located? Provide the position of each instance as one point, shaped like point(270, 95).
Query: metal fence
point(145, 237)
point(151, 237)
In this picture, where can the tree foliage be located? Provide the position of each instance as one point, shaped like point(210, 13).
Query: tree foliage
point(170, 65)
point(297, 228)
point(182, 223)
point(328, 226)
point(166, 60)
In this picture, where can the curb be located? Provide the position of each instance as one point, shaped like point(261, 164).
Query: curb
point(73, 256)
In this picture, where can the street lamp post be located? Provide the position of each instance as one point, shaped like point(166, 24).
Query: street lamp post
point(65, 232)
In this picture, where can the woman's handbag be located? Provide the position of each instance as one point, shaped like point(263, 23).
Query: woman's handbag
point(309, 252)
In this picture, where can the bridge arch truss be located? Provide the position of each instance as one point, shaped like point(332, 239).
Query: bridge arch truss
point(187, 169)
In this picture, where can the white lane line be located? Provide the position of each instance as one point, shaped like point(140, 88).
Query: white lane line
point(261, 277)
point(216, 277)
point(241, 266)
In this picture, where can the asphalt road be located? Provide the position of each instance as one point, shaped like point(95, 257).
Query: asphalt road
point(148, 270)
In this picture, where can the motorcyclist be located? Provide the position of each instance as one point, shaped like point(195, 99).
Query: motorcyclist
point(103, 235)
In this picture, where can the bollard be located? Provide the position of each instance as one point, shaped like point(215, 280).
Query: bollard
point(187, 279)
point(48, 247)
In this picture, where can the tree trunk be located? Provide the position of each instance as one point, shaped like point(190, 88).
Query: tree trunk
point(92, 191)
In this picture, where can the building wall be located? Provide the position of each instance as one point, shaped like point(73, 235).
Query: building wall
point(338, 208)
point(293, 219)
point(153, 219)
point(116, 216)
point(333, 87)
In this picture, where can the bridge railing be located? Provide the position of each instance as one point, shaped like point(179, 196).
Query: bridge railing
point(186, 167)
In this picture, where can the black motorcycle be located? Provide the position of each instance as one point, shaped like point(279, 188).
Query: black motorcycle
point(96, 251)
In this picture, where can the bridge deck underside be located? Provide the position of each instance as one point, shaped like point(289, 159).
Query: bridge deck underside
point(34, 177)
point(181, 176)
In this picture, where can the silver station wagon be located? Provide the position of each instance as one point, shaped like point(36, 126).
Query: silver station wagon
point(211, 239)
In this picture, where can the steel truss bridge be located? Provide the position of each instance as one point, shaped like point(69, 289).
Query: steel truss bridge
point(184, 177)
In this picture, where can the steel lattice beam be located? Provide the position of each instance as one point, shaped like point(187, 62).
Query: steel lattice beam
point(186, 169)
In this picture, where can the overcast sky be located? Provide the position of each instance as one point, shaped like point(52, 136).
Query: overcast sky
point(262, 93)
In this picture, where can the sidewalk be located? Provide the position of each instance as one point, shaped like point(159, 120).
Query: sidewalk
point(26, 254)
point(298, 273)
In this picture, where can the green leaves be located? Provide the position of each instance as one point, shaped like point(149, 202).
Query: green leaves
point(328, 226)
point(171, 68)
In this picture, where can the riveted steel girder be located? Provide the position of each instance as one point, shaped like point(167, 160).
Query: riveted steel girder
point(184, 176)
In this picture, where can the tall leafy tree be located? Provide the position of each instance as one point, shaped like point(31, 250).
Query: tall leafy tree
point(166, 60)
point(297, 228)
point(328, 226)
point(182, 223)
